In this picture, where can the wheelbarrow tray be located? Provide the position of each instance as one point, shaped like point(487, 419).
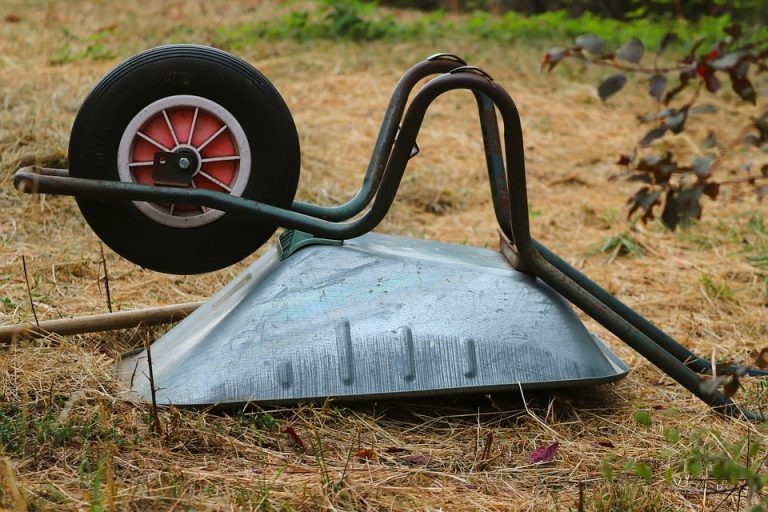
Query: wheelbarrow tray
point(380, 316)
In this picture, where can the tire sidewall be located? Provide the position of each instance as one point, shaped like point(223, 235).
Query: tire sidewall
point(185, 70)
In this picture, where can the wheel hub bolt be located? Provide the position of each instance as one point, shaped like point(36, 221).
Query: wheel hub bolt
point(184, 163)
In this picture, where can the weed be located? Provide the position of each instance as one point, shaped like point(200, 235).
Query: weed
point(628, 494)
point(358, 20)
point(617, 245)
point(8, 303)
point(717, 290)
point(92, 47)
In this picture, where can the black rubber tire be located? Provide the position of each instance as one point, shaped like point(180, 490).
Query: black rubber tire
point(191, 70)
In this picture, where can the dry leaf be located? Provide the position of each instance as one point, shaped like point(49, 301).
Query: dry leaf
point(544, 453)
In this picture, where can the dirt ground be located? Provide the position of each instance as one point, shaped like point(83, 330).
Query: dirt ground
point(71, 444)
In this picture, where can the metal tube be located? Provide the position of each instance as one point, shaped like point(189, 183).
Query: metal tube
point(497, 179)
point(440, 63)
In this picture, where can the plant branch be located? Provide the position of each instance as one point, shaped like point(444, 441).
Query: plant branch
point(633, 69)
point(731, 145)
point(745, 179)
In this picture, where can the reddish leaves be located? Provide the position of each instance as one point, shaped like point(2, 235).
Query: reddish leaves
point(366, 453)
point(544, 453)
point(592, 43)
point(761, 358)
point(611, 86)
point(644, 199)
point(652, 135)
point(682, 206)
point(552, 57)
point(703, 68)
point(743, 87)
point(668, 39)
point(632, 51)
point(416, 460)
point(657, 85)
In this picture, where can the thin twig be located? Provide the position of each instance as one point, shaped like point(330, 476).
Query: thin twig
point(106, 277)
point(728, 496)
point(155, 424)
point(485, 457)
point(746, 179)
point(29, 290)
point(734, 142)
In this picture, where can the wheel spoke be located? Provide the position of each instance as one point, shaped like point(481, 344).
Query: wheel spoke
point(170, 128)
point(204, 208)
point(152, 141)
point(216, 181)
point(173, 207)
point(210, 139)
point(192, 128)
point(141, 164)
point(219, 159)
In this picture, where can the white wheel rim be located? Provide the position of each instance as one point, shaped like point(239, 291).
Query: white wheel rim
point(186, 122)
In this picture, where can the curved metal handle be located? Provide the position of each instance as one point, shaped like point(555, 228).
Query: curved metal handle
point(435, 64)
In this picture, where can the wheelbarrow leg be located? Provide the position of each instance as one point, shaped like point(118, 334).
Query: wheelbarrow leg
point(497, 178)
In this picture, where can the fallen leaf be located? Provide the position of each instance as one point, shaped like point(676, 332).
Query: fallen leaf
point(366, 453)
point(761, 358)
point(544, 453)
point(603, 443)
point(416, 460)
point(295, 436)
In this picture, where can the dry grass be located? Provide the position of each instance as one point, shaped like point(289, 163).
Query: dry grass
point(71, 444)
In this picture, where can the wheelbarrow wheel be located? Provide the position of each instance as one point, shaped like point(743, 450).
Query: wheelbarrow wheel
point(219, 111)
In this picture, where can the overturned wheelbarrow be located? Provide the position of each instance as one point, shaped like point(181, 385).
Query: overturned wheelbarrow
point(185, 159)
